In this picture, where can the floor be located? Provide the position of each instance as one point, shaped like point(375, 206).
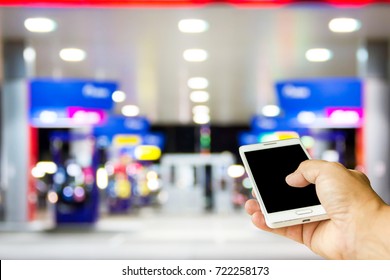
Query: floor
point(151, 235)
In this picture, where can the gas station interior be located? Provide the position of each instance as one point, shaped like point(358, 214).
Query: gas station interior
point(120, 124)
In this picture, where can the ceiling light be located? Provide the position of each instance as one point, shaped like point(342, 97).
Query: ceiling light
point(270, 110)
point(195, 55)
point(344, 25)
point(72, 54)
point(130, 110)
point(29, 54)
point(199, 96)
point(201, 118)
point(200, 109)
point(118, 96)
point(198, 83)
point(41, 25)
point(318, 55)
point(193, 25)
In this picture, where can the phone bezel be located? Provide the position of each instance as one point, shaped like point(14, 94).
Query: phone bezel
point(287, 217)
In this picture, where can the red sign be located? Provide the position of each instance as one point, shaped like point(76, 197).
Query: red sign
point(178, 3)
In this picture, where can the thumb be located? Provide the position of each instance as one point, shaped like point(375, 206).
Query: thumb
point(307, 173)
point(296, 180)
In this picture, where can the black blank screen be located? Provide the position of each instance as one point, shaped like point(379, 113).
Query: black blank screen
point(269, 168)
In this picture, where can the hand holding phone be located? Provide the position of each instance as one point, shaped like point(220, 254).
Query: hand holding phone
point(267, 165)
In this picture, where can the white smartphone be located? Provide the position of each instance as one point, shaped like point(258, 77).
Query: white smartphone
point(267, 165)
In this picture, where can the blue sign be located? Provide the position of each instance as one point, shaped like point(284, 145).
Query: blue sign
point(59, 94)
point(319, 94)
point(69, 102)
point(122, 125)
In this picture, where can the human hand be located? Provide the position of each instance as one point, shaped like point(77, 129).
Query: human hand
point(358, 227)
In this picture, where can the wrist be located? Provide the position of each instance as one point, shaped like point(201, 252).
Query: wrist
point(374, 241)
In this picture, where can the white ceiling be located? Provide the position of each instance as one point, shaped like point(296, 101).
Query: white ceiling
point(249, 49)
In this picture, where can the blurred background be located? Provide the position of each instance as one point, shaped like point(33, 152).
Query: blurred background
point(121, 120)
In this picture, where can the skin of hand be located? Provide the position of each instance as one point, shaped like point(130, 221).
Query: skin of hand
point(359, 224)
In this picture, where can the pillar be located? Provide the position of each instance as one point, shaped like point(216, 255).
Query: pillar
point(375, 73)
point(15, 134)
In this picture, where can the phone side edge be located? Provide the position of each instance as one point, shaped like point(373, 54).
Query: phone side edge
point(254, 186)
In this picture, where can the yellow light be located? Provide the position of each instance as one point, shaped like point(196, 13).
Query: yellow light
point(126, 140)
point(101, 178)
point(147, 152)
point(123, 188)
point(282, 135)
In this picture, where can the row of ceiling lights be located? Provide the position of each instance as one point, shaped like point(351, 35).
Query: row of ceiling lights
point(337, 25)
point(45, 25)
point(197, 85)
point(340, 25)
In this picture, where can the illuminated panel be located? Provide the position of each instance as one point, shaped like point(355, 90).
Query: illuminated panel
point(83, 116)
point(126, 140)
point(105, 3)
point(345, 116)
point(147, 152)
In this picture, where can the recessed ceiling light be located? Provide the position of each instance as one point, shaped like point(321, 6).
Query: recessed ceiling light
point(72, 54)
point(199, 96)
point(130, 110)
point(344, 25)
point(201, 109)
point(198, 83)
point(195, 55)
point(318, 55)
point(193, 25)
point(201, 118)
point(40, 24)
point(118, 96)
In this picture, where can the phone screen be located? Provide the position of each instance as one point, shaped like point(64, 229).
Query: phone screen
point(269, 168)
